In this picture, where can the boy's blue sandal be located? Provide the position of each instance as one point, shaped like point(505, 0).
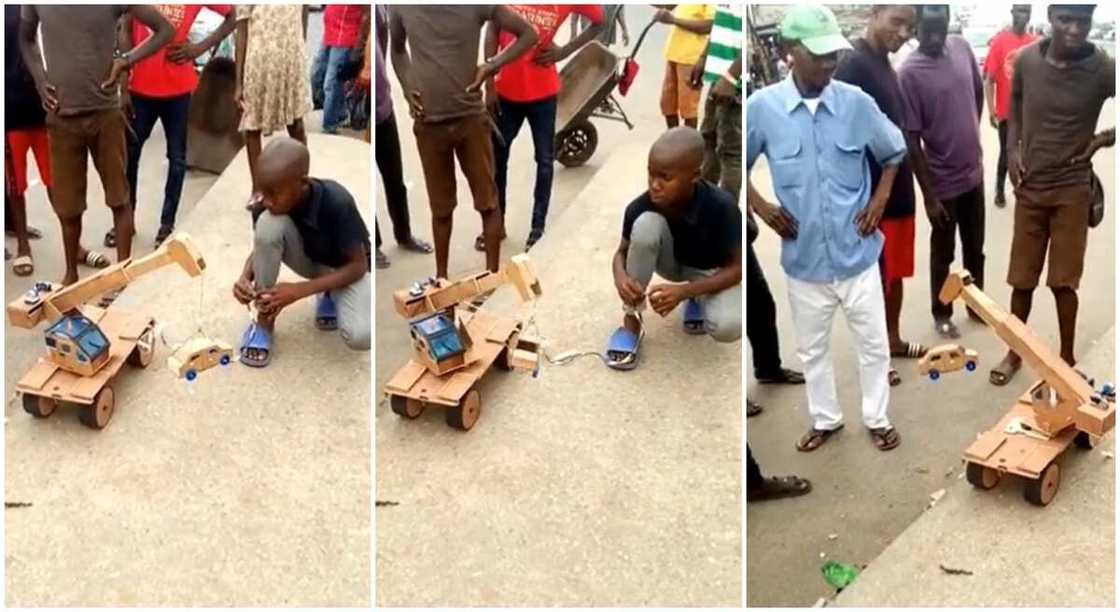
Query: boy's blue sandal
point(622, 348)
point(693, 318)
point(256, 338)
point(326, 314)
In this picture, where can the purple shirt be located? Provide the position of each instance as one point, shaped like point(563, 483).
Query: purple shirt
point(381, 94)
point(943, 97)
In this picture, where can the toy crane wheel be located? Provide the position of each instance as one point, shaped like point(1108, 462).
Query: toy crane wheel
point(981, 476)
point(406, 406)
point(465, 415)
point(98, 414)
point(1042, 490)
point(38, 406)
point(503, 360)
point(141, 356)
point(1085, 441)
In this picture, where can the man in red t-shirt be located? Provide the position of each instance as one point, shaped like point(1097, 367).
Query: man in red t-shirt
point(344, 28)
point(526, 88)
point(998, 67)
point(160, 88)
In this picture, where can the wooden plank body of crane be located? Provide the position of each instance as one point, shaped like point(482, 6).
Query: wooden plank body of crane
point(54, 305)
point(519, 272)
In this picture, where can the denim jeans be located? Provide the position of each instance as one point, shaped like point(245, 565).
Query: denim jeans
point(326, 87)
point(172, 113)
point(542, 123)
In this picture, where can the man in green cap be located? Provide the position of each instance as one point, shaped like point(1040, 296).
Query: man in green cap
point(816, 135)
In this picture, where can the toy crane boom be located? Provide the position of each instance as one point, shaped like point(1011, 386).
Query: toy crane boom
point(52, 306)
point(1074, 404)
point(519, 272)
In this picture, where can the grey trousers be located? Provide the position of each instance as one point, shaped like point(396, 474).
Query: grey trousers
point(651, 249)
point(276, 240)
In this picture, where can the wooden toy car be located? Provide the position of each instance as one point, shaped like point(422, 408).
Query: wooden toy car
point(198, 355)
point(87, 346)
point(947, 358)
point(454, 343)
point(1060, 409)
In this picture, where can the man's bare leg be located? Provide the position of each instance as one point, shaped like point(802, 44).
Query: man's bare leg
point(893, 298)
point(253, 153)
point(441, 234)
point(19, 220)
point(1067, 302)
point(690, 123)
point(672, 121)
point(122, 225)
point(297, 131)
point(492, 234)
point(71, 238)
point(1021, 308)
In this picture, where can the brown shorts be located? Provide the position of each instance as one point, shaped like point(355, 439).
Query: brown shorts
point(465, 138)
point(677, 97)
point(1059, 219)
point(98, 134)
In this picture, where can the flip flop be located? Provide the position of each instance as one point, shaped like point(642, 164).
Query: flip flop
point(1003, 373)
point(784, 376)
point(32, 233)
point(622, 348)
point(779, 488)
point(326, 313)
point(260, 339)
point(110, 239)
point(96, 260)
point(894, 379)
point(415, 245)
point(693, 318)
point(23, 266)
point(381, 261)
point(163, 234)
point(913, 350)
point(885, 438)
point(814, 438)
point(947, 329)
point(480, 243)
point(753, 409)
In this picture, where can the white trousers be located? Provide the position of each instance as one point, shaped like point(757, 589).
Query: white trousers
point(813, 306)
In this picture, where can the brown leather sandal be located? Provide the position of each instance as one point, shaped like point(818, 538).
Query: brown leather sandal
point(814, 438)
point(885, 438)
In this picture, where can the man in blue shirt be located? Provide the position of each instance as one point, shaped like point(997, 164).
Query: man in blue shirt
point(816, 135)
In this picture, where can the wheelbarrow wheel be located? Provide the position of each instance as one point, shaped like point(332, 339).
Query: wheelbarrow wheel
point(1041, 491)
point(406, 406)
point(576, 144)
point(981, 476)
point(38, 406)
point(465, 415)
point(98, 414)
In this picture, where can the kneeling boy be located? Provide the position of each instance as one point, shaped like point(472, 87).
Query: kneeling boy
point(312, 226)
point(688, 231)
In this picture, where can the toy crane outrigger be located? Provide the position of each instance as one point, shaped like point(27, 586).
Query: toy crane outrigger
point(1059, 409)
point(454, 346)
point(88, 345)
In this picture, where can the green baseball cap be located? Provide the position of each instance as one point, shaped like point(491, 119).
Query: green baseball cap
point(815, 27)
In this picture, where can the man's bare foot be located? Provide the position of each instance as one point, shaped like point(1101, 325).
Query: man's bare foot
point(1006, 370)
point(415, 245)
point(631, 322)
point(261, 354)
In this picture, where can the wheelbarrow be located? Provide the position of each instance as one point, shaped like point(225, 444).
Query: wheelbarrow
point(587, 83)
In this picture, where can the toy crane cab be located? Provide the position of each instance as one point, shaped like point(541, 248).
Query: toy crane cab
point(86, 345)
point(1060, 409)
point(454, 344)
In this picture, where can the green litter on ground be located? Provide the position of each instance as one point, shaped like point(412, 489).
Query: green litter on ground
point(839, 575)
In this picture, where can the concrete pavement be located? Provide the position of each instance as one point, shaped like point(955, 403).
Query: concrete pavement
point(865, 497)
point(1020, 555)
point(247, 488)
point(585, 486)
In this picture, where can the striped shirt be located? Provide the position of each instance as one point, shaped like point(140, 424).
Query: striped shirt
point(726, 42)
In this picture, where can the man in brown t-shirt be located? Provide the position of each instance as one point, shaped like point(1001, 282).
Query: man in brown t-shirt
point(441, 80)
point(1058, 88)
point(80, 90)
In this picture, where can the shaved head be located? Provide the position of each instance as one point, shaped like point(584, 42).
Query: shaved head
point(282, 173)
point(680, 147)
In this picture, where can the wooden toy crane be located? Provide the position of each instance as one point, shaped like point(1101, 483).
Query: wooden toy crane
point(88, 345)
point(455, 344)
point(1058, 409)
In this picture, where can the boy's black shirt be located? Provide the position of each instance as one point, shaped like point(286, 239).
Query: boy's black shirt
point(329, 224)
point(709, 232)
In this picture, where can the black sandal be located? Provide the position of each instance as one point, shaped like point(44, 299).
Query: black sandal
point(783, 376)
point(110, 239)
point(885, 438)
point(753, 409)
point(779, 488)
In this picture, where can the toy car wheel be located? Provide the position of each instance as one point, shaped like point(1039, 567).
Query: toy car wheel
point(934, 374)
point(191, 375)
point(970, 366)
point(465, 415)
point(1085, 441)
point(406, 406)
point(224, 360)
point(576, 144)
point(38, 406)
point(981, 476)
point(98, 414)
point(141, 356)
point(1042, 490)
